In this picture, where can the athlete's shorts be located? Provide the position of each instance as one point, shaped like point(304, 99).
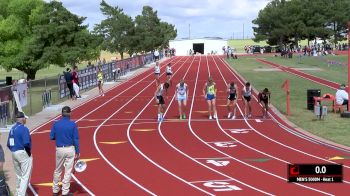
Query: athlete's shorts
point(181, 97)
point(210, 97)
point(266, 101)
point(156, 74)
point(232, 97)
point(247, 98)
point(160, 100)
point(169, 74)
point(100, 82)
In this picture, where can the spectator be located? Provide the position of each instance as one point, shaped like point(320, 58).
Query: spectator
point(75, 80)
point(341, 96)
point(156, 55)
point(69, 81)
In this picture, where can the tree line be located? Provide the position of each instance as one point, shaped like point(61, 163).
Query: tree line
point(35, 34)
point(285, 22)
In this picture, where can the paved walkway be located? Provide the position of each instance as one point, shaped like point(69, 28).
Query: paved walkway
point(51, 112)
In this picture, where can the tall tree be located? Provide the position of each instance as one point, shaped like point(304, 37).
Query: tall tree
point(168, 32)
point(283, 21)
point(35, 34)
point(115, 29)
point(147, 30)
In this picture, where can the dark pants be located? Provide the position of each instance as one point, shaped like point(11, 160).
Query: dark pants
point(70, 87)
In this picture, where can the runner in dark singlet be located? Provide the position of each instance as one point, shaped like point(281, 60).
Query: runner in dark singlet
point(232, 93)
point(264, 99)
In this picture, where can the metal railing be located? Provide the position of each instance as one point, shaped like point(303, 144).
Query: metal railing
point(49, 91)
point(111, 71)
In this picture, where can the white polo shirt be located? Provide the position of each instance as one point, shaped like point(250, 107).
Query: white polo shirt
point(340, 96)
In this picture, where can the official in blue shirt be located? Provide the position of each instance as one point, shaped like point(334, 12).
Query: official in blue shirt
point(20, 144)
point(65, 132)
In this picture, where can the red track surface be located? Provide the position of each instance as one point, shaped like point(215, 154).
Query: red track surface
point(173, 157)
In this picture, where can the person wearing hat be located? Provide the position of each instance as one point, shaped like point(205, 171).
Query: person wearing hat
point(20, 144)
point(65, 133)
point(182, 96)
point(264, 99)
point(341, 96)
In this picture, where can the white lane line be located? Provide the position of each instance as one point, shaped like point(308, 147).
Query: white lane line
point(190, 127)
point(150, 160)
point(37, 128)
point(102, 155)
point(203, 181)
point(254, 149)
point(212, 158)
point(284, 145)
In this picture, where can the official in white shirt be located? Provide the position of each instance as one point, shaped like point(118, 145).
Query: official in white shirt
point(341, 96)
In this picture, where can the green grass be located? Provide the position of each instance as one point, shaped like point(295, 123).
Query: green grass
point(336, 73)
point(332, 128)
point(52, 70)
point(240, 43)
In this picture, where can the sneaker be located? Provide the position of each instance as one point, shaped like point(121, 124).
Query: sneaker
point(215, 115)
point(103, 95)
point(233, 117)
point(184, 116)
point(249, 115)
point(180, 117)
point(210, 117)
point(229, 115)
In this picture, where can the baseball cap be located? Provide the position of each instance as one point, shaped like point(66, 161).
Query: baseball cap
point(66, 109)
point(21, 115)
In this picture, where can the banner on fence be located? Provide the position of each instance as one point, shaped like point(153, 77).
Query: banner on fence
point(22, 91)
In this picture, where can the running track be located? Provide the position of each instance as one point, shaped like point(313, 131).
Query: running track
point(129, 153)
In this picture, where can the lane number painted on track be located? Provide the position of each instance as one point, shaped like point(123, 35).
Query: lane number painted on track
point(221, 186)
point(238, 131)
point(225, 144)
point(218, 163)
point(258, 121)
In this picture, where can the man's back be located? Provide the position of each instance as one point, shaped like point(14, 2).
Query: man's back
point(340, 96)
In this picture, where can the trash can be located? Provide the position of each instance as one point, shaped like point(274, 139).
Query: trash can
point(8, 80)
point(311, 93)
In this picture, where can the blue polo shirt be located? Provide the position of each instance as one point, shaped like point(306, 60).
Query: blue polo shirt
point(65, 132)
point(19, 138)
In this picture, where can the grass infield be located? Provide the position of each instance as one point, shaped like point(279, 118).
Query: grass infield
point(332, 127)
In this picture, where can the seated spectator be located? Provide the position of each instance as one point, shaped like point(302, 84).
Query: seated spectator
point(341, 96)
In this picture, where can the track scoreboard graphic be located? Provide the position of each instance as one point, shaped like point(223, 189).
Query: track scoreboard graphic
point(315, 173)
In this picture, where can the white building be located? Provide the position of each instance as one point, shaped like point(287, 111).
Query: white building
point(203, 46)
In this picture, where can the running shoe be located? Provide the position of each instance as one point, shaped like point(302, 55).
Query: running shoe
point(229, 115)
point(184, 116)
point(210, 117)
point(215, 116)
point(233, 117)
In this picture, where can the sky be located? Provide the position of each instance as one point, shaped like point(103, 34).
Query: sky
point(194, 18)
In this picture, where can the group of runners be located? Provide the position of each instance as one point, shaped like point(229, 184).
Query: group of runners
point(209, 94)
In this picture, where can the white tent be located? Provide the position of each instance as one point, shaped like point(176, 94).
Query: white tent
point(203, 46)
